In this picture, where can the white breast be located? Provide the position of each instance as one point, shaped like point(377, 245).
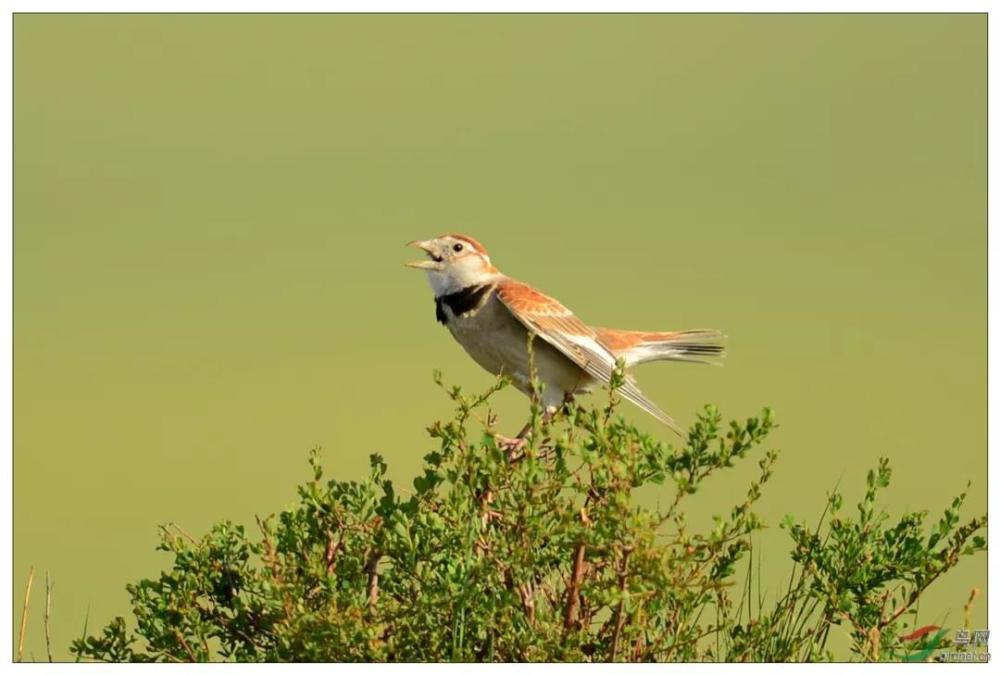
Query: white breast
point(498, 342)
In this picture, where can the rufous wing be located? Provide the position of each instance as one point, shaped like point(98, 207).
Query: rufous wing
point(550, 320)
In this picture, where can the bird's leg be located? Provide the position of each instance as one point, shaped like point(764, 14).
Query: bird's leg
point(512, 445)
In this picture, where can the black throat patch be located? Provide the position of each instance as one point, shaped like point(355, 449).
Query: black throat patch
point(461, 302)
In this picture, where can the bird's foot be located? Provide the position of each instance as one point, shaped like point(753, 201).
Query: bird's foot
point(511, 445)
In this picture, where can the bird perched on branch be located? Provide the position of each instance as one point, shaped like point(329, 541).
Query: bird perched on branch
point(492, 316)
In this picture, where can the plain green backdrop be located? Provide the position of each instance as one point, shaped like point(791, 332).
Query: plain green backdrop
point(210, 214)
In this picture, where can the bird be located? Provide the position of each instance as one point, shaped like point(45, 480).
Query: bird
point(494, 317)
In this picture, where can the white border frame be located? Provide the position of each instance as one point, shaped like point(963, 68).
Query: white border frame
point(439, 6)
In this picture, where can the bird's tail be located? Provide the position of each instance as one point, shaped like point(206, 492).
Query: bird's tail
point(702, 345)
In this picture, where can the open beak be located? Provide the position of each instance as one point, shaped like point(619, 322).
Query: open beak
point(433, 262)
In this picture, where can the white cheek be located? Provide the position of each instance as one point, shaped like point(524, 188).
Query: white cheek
point(459, 274)
point(466, 271)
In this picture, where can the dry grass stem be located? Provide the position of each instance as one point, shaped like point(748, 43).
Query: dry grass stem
point(24, 616)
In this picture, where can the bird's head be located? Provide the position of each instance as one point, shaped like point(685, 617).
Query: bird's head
point(454, 262)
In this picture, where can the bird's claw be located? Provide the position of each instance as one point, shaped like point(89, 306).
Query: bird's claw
point(510, 445)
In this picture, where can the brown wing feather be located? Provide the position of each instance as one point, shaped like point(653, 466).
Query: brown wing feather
point(558, 326)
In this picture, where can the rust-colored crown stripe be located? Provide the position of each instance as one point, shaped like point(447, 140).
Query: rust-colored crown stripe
point(469, 240)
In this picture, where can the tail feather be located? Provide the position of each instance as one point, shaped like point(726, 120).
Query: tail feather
point(703, 345)
point(638, 398)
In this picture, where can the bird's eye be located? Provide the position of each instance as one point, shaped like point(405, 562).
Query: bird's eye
point(456, 248)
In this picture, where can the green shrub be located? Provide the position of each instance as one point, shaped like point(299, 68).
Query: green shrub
point(538, 553)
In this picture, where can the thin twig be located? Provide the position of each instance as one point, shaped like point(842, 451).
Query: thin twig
point(182, 532)
point(968, 606)
point(620, 619)
point(372, 568)
point(913, 597)
point(573, 591)
point(204, 644)
point(48, 610)
point(24, 616)
point(187, 647)
point(527, 593)
point(332, 550)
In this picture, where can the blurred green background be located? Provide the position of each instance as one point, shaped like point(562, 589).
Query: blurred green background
point(210, 214)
